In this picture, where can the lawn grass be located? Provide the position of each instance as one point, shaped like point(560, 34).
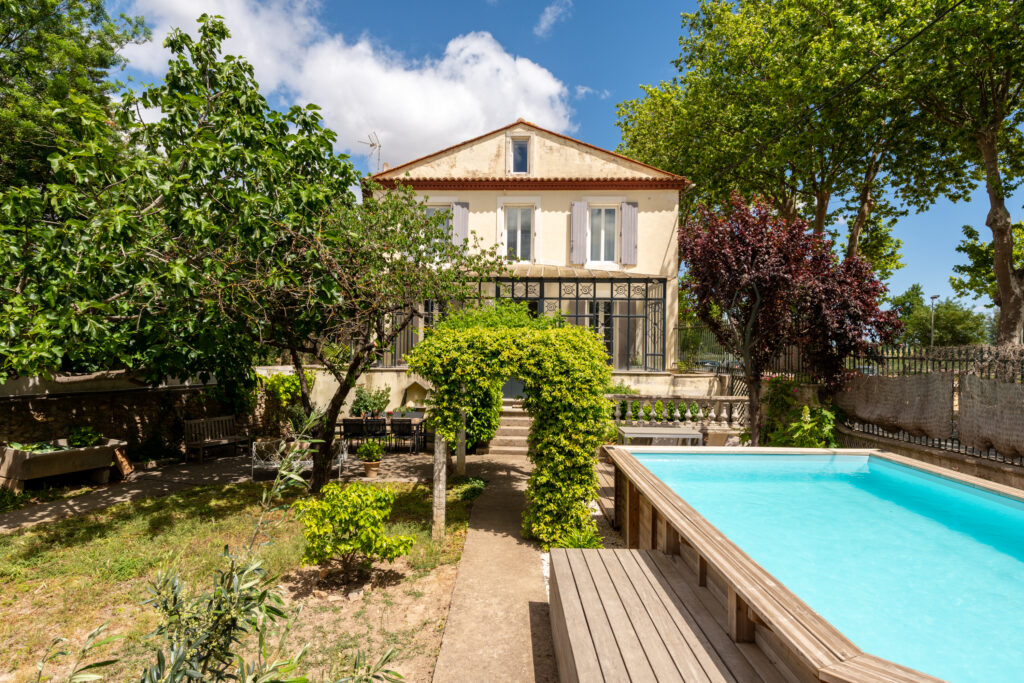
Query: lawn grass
point(67, 577)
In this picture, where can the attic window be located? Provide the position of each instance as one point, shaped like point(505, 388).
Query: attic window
point(521, 156)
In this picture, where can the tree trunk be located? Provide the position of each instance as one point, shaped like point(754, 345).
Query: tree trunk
point(1009, 281)
point(754, 410)
point(460, 461)
point(867, 203)
point(440, 481)
point(821, 200)
point(325, 433)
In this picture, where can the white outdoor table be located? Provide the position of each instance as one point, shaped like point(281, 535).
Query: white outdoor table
point(682, 435)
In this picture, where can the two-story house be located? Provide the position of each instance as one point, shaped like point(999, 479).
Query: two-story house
point(587, 232)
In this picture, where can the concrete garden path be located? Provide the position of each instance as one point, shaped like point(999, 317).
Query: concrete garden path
point(498, 626)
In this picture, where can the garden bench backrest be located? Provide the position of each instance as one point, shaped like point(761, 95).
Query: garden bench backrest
point(209, 429)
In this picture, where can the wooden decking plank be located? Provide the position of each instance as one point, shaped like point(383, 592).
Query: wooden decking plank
point(574, 646)
point(613, 665)
point(670, 655)
point(746, 661)
point(722, 652)
point(629, 642)
point(682, 636)
point(870, 669)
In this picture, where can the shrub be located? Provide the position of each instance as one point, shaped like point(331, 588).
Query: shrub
point(659, 411)
point(694, 411)
point(586, 537)
point(346, 524)
point(814, 429)
point(647, 412)
point(83, 437)
point(370, 451)
point(370, 402)
point(620, 388)
point(284, 388)
point(635, 409)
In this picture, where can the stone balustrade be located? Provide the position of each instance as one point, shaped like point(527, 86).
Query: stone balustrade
point(706, 411)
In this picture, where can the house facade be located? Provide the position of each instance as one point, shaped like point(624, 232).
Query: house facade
point(587, 232)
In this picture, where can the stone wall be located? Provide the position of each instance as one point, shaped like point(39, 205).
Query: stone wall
point(150, 420)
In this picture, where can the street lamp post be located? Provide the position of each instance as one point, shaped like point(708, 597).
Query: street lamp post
point(932, 342)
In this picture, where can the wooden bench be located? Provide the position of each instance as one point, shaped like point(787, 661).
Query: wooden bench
point(214, 432)
point(629, 615)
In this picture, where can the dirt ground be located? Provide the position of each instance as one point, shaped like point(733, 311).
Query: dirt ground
point(397, 607)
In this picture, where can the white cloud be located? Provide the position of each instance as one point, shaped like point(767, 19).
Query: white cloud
point(416, 106)
point(586, 91)
point(557, 11)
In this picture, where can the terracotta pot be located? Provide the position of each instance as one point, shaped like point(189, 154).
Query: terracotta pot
point(371, 469)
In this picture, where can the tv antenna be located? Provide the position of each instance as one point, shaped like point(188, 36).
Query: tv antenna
point(373, 142)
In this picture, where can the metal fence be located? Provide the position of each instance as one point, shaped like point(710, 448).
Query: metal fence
point(699, 351)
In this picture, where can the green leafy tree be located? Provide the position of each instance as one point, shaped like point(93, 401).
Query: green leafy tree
point(753, 110)
point(51, 50)
point(977, 277)
point(955, 323)
point(966, 75)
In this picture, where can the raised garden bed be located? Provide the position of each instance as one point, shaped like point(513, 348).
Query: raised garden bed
point(18, 466)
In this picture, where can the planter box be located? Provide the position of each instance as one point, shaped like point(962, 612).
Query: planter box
point(17, 466)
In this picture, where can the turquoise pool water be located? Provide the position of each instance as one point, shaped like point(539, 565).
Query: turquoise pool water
point(911, 567)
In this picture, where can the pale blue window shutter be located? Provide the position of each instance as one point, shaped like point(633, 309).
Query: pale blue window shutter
point(630, 212)
point(578, 234)
point(460, 222)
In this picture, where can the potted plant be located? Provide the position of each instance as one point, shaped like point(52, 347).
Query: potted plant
point(370, 402)
point(370, 452)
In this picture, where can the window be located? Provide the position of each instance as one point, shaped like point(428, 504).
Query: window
point(519, 232)
point(431, 210)
point(602, 234)
point(520, 156)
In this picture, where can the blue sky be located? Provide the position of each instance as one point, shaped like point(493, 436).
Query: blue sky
point(424, 75)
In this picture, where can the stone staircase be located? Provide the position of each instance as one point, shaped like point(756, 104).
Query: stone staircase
point(510, 439)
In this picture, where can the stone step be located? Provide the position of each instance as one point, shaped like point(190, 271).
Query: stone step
point(518, 402)
point(508, 441)
point(516, 421)
point(508, 430)
point(504, 450)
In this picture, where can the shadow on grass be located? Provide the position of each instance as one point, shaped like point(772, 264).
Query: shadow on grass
point(159, 516)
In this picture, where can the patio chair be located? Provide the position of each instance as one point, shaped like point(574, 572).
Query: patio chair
point(402, 430)
point(376, 428)
point(352, 429)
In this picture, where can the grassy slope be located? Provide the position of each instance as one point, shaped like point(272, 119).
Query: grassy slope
point(65, 578)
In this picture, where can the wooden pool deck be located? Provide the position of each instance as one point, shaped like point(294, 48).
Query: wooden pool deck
point(699, 588)
point(632, 615)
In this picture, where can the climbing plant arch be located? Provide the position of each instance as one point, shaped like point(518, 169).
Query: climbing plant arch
point(565, 373)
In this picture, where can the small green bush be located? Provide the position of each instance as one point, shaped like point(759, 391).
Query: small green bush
point(466, 488)
point(370, 451)
point(647, 412)
point(83, 437)
point(659, 411)
point(694, 411)
point(620, 388)
point(346, 524)
point(635, 409)
point(580, 538)
point(814, 429)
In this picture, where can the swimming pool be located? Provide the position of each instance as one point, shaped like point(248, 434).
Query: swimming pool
point(912, 567)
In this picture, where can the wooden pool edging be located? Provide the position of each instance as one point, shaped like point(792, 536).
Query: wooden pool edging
point(759, 607)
